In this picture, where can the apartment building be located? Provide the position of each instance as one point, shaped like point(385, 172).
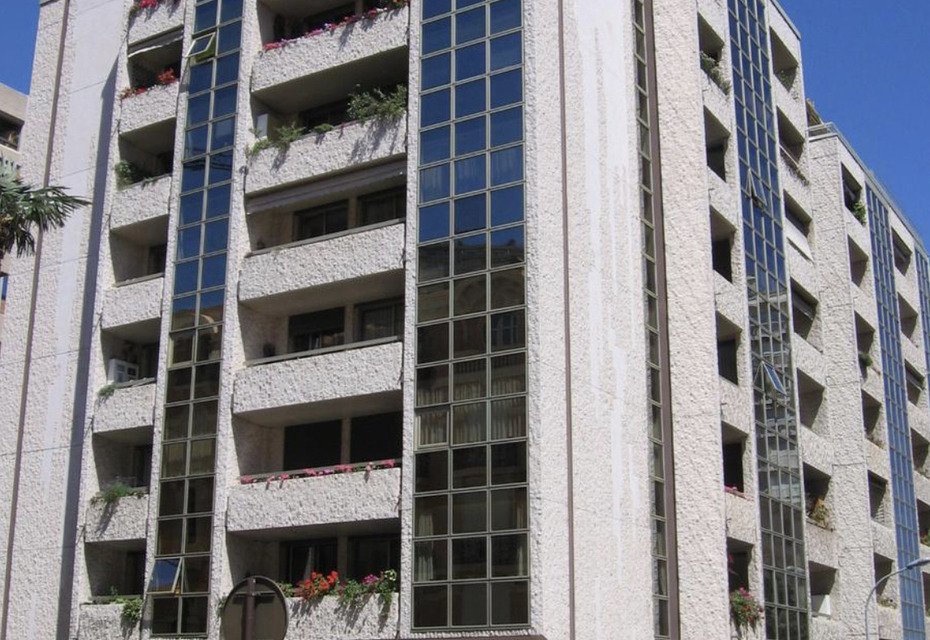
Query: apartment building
point(12, 116)
point(570, 314)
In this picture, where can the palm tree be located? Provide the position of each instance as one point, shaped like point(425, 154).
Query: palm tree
point(24, 208)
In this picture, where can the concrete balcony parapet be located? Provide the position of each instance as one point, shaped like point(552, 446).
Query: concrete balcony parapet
point(119, 521)
point(350, 146)
point(327, 49)
point(130, 406)
point(157, 104)
point(821, 545)
point(307, 502)
point(103, 622)
point(141, 202)
point(134, 301)
point(327, 619)
point(742, 517)
point(147, 23)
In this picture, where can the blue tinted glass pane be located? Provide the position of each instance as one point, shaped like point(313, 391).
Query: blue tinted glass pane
point(224, 101)
point(216, 235)
point(505, 15)
point(434, 222)
point(470, 174)
point(214, 271)
point(193, 174)
point(469, 25)
point(434, 108)
point(507, 246)
point(470, 98)
point(201, 78)
point(506, 126)
point(191, 207)
point(198, 109)
point(470, 254)
point(437, 35)
point(195, 142)
point(227, 69)
point(230, 36)
point(189, 242)
point(432, 8)
point(469, 61)
point(185, 277)
point(461, 4)
point(505, 51)
point(434, 183)
point(470, 213)
point(470, 135)
point(220, 167)
point(506, 206)
point(223, 131)
point(506, 166)
point(434, 145)
point(436, 71)
point(231, 9)
point(218, 201)
point(506, 88)
point(205, 17)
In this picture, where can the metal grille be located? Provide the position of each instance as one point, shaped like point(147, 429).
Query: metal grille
point(781, 495)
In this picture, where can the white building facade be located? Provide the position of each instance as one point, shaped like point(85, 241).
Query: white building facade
point(571, 314)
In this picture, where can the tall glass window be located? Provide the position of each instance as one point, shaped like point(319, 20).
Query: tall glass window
point(664, 555)
point(781, 495)
point(899, 434)
point(180, 582)
point(471, 522)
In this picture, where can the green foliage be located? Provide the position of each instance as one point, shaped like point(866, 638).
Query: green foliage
point(820, 515)
point(323, 128)
point(128, 174)
point(24, 208)
point(378, 104)
point(281, 139)
point(353, 593)
point(860, 213)
point(925, 538)
point(712, 67)
point(286, 588)
point(106, 391)
point(114, 492)
point(131, 613)
point(745, 610)
point(885, 601)
point(865, 359)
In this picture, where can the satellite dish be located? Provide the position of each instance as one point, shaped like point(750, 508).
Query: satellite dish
point(255, 610)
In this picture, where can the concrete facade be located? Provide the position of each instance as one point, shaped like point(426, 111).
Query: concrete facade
point(322, 349)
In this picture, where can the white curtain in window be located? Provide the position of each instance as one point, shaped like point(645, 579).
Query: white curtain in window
point(508, 418)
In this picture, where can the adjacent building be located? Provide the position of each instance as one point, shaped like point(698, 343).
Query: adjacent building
point(573, 315)
point(12, 116)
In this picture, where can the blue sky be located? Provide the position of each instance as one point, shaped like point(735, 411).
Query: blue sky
point(866, 68)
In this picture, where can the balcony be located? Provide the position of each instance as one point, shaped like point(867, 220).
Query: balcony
point(141, 202)
point(292, 60)
point(275, 505)
point(353, 145)
point(130, 406)
point(157, 104)
point(147, 23)
point(883, 540)
point(742, 516)
point(123, 520)
point(102, 621)
point(368, 255)
point(134, 302)
point(279, 390)
point(328, 620)
point(821, 545)
point(809, 360)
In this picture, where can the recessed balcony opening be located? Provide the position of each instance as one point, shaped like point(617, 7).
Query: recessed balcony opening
point(910, 321)
point(804, 312)
point(784, 64)
point(734, 453)
point(712, 52)
point(739, 560)
point(287, 19)
point(797, 217)
point(728, 338)
point(130, 352)
point(323, 101)
point(920, 448)
point(722, 235)
point(817, 497)
point(330, 215)
point(115, 569)
point(812, 411)
point(858, 264)
point(881, 567)
point(915, 384)
point(156, 61)
point(871, 418)
point(791, 142)
point(716, 140)
point(123, 460)
point(923, 523)
point(865, 344)
point(852, 195)
point(10, 131)
point(822, 582)
point(139, 251)
point(926, 583)
point(145, 153)
point(902, 253)
point(878, 500)
point(355, 440)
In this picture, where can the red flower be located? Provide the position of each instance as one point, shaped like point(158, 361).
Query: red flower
point(167, 77)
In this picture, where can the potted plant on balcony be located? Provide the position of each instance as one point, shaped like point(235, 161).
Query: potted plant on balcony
point(745, 610)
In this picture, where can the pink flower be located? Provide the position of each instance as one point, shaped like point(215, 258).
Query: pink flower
point(316, 32)
point(284, 476)
point(389, 464)
point(246, 479)
point(368, 468)
point(372, 14)
point(272, 45)
point(309, 473)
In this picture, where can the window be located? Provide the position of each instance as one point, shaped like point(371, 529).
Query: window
point(377, 437)
point(317, 330)
point(852, 191)
point(371, 555)
point(733, 465)
point(804, 310)
point(382, 206)
point(902, 253)
point(877, 490)
point(308, 446)
point(721, 232)
point(915, 384)
point(717, 139)
point(165, 575)
point(307, 556)
point(321, 221)
point(202, 47)
point(381, 320)
point(772, 379)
